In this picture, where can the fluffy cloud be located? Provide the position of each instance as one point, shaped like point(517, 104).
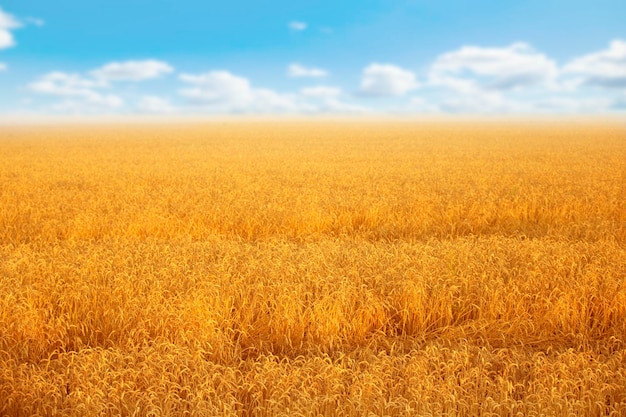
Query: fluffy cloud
point(92, 104)
point(333, 105)
point(3, 66)
point(498, 69)
point(64, 84)
point(84, 94)
point(487, 102)
point(7, 23)
point(386, 80)
point(321, 91)
point(222, 91)
point(325, 99)
point(217, 87)
point(297, 70)
point(297, 26)
point(154, 104)
point(606, 68)
point(80, 93)
point(132, 70)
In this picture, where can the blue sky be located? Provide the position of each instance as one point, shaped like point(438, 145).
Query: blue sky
point(311, 57)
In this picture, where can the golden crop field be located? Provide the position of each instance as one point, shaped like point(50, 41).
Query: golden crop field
point(313, 268)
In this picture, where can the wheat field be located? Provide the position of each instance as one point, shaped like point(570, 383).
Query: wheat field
point(313, 269)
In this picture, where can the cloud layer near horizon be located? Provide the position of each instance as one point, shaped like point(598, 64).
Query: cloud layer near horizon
point(516, 78)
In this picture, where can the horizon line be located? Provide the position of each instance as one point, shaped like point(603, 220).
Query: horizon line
point(8, 120)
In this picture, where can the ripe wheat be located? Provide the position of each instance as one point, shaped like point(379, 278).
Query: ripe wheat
point(306, 269)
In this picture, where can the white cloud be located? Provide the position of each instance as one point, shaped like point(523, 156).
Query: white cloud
point(491, 102)
point(6, 39)
point(35, 21)
point(513, 67)
point(80, 93)
point(297, 25)
point(132, 70)
point(333, 105)
point(605, 68)
point(96, 103)
point(458, 85)
point(64, 84)
point(266, 100)
point(89, 94)
point(7, 23)
point(386, 80)
point(502, 80)
point(573, 104)
point(321, 91)
point(297, 70)
point(481, 103)
point(222, 91)
point(421, 105)
point(217, 87)
point(3, 66)
point(154, 104)
point(324, 99)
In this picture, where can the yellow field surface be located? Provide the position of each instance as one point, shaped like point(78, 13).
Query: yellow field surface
point(313, 268)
